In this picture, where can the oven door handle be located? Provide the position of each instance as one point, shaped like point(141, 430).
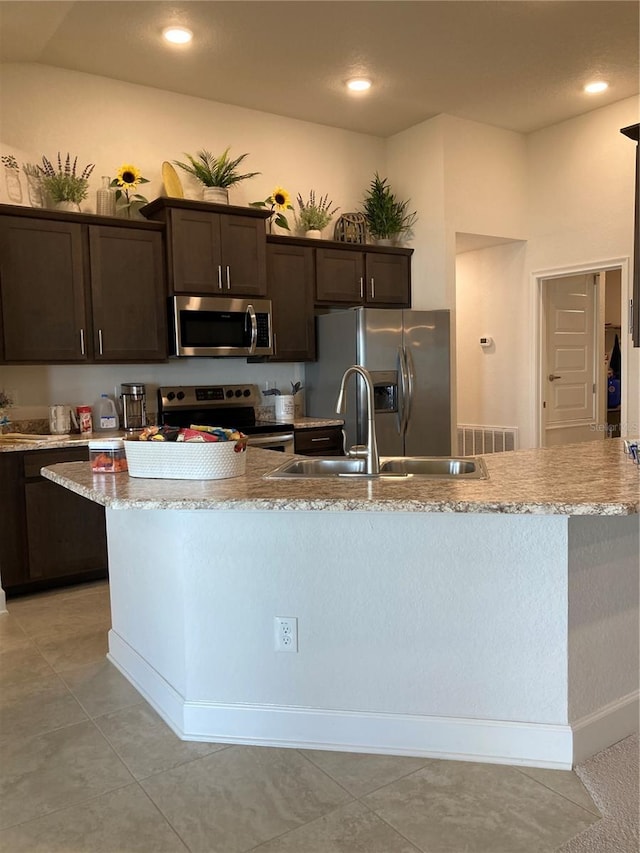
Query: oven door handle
point(254, 329)
point(275, 438)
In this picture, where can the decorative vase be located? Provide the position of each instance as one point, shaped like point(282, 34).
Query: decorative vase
point(105, 199)
point(12, 182)
point(69, 206)
point(216, 195)
point(383, 241)
point(313, 233)
point(36, 192)
point(285, 407)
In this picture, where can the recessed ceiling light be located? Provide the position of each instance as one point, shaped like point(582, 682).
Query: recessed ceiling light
point(596, 86)
point(177, 35)
point(359, 84)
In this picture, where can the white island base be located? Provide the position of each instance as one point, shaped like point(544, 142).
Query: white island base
point(489, 637)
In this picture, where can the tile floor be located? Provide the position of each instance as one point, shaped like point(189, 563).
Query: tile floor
point(86, 766)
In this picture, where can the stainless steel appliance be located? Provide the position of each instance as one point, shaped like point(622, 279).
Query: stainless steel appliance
point(219, 326)
point(134, 406)
point(408, 355)
point(226, 406)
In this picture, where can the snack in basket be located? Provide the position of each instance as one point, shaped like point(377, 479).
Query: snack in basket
point(193, 434)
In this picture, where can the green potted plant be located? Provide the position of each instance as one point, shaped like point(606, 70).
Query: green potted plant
point(216, 174)
point(65, 186)
point(386, 216)
point(314, 215)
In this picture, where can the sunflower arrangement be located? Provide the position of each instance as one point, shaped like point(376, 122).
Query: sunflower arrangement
point(126, 181)
point(277, 202)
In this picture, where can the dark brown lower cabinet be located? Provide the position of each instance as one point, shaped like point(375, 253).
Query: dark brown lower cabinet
point(49, 536)
point(319, 441)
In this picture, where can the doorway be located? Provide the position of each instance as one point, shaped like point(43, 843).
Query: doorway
point(578, 319)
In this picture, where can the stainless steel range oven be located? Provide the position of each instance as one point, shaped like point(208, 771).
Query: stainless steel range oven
point(226, 406)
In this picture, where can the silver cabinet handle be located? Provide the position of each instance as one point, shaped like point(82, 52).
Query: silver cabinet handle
point(100, 341)
point(228, 278)
point(373, 287)
point(82, 352)
point(361, 287)
point(254, 328)
point(219, 277)
point(325, 438)
point(553, 376)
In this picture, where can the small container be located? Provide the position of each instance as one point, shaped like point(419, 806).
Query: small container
point(107, 456)
point(85, 421)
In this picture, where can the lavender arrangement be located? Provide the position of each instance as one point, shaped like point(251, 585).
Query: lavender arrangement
point(65, 184)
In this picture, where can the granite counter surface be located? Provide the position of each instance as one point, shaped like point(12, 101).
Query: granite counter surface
point(594, 478)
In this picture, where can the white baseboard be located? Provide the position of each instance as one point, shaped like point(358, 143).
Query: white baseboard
point(605, 727)
point(462, 739)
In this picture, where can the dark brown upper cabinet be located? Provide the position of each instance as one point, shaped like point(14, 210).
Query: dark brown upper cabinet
point(42, 289)
point(363, 277)
point(128, 294)
point(291, 284)
point(76, 288)
point(213, 249)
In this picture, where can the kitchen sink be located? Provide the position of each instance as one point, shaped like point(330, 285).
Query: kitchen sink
point(432, 467)
point(435, 466)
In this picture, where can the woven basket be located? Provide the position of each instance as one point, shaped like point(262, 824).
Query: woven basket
point(185, 460)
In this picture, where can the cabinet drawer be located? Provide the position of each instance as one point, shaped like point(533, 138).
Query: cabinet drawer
point(34, 460)
point(324, 441)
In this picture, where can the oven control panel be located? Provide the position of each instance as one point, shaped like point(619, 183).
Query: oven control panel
point(205, 396)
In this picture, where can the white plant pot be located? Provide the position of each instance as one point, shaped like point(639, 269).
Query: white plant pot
point(216, 195)
point(313, 233)
point(72, 206)
point(285, 407)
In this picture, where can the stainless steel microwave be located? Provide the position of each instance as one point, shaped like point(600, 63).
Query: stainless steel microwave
point(218, 326)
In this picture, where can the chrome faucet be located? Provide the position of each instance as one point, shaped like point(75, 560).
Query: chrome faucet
point(368, 452)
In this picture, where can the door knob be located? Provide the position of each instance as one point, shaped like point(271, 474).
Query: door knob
point(553, 376)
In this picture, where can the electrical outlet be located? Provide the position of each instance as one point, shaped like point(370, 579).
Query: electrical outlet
point(286, 633)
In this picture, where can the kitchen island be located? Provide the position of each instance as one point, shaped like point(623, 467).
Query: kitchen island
point(490, 620)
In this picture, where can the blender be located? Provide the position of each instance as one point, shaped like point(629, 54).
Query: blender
point(134, 407)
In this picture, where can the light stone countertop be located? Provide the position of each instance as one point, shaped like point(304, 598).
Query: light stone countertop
point(74, 440)
point(594, 478)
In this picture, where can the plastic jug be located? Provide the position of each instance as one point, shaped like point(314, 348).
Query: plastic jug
point(105, 415)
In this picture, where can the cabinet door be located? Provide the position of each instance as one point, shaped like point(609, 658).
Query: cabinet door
point(42, 288)
point(128, 294)
point(290, 277)
point(387, 280)
point(195, 253)
point(66, 532)
point(244, 243)
point(14, 569)
point(339, 276)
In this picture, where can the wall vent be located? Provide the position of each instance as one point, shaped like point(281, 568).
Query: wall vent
point(474, 439)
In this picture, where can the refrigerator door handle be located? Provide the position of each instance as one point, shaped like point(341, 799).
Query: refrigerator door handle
point(410, 384)
point(404, 389)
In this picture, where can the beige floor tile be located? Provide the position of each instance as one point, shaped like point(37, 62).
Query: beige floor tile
point(145, 742)
point(359, 773)
point(41, 774)
point(63, 615)
point(12, 635)
point(100, 688)
point(349, 829)
point(22, 663)
point(37, 706)
point(451, 806)
point(563, 782)
point(240, 797)
point(122, 821)
point(70, 651)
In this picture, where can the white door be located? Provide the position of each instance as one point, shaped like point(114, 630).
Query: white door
point(570, 378)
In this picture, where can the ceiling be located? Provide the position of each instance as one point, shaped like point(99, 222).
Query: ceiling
point(518, 65)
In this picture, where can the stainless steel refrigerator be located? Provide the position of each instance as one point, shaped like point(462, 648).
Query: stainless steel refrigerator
point(408, 355)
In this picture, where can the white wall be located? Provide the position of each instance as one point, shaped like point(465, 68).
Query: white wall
point(107, 122)
point(491, 290)
point(581, 179)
